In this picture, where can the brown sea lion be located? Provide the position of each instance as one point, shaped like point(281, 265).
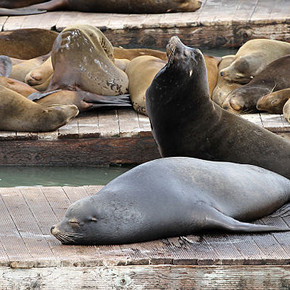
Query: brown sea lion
point(82, 59)
point(274, 77)
point(223, 87)
point(130, 53)
point(40, 74)
point(26, 43)
point(17, 113)
point(17, 86)
point(141, 71)
point(83, 100)
point(286, 111)
point(121, 6)
point(273, 103)
point(186, 122)
point(253, 57)
point(21, 69)
point(212, 63)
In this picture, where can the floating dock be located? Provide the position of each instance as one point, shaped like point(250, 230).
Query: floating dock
point(30, 258)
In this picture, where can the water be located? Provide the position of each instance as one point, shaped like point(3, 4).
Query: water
point(57, 176)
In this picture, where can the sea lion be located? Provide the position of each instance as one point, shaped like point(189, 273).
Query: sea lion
point(286, 111)
point(273, 103)
point(253, 57)
point(40, 75)
point(174, 197)
point(21, 11)
point(274, 77)
point(5, 66)
point(17, 113)
point(121, 6)
point(17, 86)
point(26, 43)
point(83, 100)
point(223, 87)
point(21, 69)
point(82, 59)
point(131, 53)
point(186, 122)
point(212, 63)
point(141, 71)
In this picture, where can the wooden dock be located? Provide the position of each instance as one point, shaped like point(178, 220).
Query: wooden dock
point(218, 23)
point(30, 258)
point(112, 137)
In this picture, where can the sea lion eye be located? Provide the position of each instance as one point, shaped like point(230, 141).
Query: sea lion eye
point(94, 219)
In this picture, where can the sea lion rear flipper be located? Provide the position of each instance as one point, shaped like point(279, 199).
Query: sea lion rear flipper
point(20, 11)
point(99, 101)
point(218, 220)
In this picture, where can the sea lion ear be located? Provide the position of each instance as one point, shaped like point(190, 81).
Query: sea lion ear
point(5, 66)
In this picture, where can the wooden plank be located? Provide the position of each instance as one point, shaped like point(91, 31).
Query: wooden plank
point(70, 130)
point(129, 123)
point(244, 11)
point(109, 124)
point(149, 277)
point(26, 226)
point(88, 125)
point(262, 10)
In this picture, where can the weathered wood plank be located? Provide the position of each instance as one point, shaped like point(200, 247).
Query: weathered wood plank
point(129, 123)
point(149, 277)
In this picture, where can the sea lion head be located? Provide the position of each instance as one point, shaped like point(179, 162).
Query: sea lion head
point(273, 103)
point(180, 77)
point(80, 223)
point(238, 71)
point(243, 99)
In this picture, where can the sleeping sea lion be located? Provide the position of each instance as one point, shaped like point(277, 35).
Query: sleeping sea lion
point(186, 122)
point(274, 77)
point(253, 57)
point(121, 6)
point(174, 197)
point(273, 103)
point(17, 113)
point(223, 87)
point(26, 43)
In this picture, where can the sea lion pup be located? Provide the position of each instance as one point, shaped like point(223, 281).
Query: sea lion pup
point(174, 197)
point(186, 122)
point(223, 87)
point(274, 77)
point(121, 6)
point(17, 113)
point(82, 59)
point(26, 43)
point(273, 103)
point(253, 57)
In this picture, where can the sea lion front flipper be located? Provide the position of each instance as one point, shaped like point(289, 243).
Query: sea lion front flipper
point(217, 220)
point(39, 95)
point(20, 11)
point(5, 66)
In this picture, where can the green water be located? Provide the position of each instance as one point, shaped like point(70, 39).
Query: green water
point(57, 176)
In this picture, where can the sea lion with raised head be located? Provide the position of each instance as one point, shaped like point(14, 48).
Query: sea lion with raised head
point(175, 197)
point(82, 59)
point(120, 6)
point(186, 122)
point(253, 57)
point(274, 77)
point(17, 113)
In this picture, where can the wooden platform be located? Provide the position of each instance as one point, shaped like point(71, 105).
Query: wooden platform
point(30, 258)
point(104, 138)
point(224, 23)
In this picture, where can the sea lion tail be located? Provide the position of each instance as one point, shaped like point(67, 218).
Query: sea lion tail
point(218, 220)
